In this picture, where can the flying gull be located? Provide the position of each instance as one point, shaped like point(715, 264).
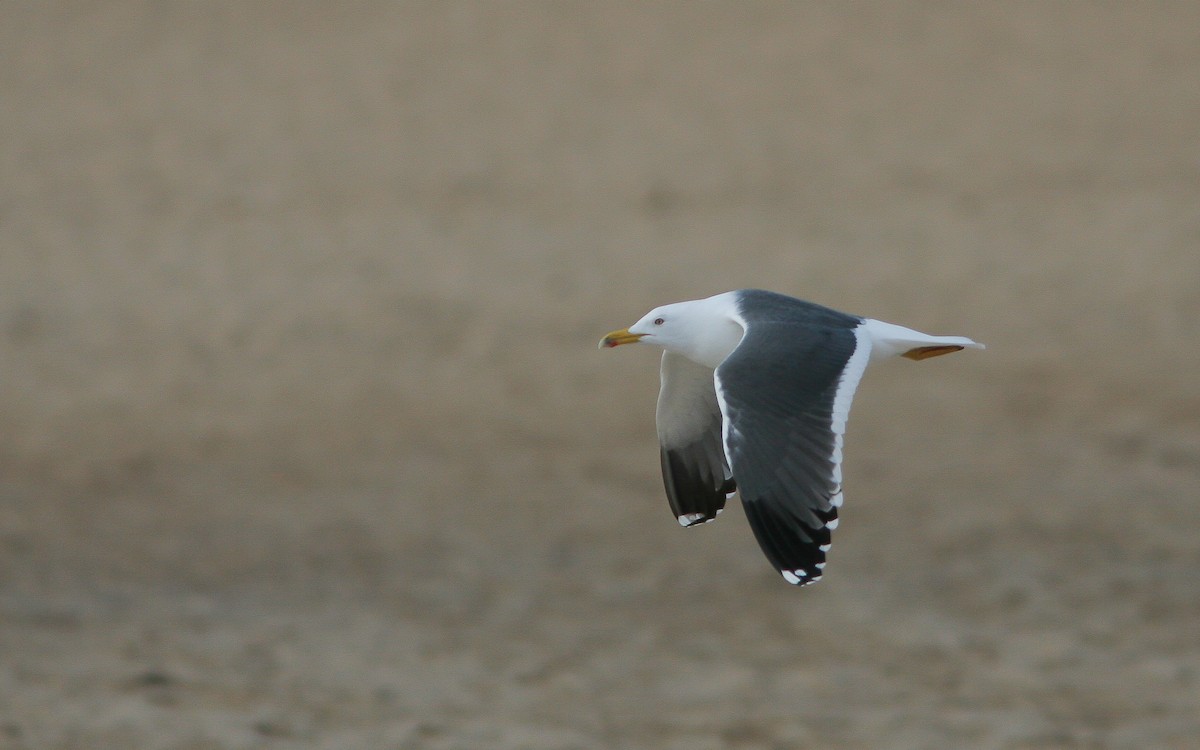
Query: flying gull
point(756, 388)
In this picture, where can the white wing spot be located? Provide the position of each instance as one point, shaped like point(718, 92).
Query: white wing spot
point(687, 519)
point(801, 577)
point(832, 524)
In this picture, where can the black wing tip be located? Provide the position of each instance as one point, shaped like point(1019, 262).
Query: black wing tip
point(688, 520)
point(693, 497)
point(794, 548)
point(800, 577)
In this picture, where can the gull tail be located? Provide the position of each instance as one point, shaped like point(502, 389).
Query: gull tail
point(889, 340)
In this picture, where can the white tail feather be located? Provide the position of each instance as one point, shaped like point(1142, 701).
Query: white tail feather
point(890, 340)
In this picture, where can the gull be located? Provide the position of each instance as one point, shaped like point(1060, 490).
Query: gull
point(756, 388)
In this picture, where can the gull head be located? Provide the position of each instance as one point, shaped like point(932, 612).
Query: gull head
point(704, 331)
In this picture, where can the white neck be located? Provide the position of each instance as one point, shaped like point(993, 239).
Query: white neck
point(718, 329)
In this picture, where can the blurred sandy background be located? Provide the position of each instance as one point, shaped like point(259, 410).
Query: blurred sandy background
point(305, 440)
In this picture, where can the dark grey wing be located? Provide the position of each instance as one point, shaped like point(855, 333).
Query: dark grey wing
point(695, 472)
point(785, 393)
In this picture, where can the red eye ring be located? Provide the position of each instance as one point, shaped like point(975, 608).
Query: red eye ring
point(658, 321)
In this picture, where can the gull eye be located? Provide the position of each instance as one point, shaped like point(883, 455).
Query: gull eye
point(658, 321)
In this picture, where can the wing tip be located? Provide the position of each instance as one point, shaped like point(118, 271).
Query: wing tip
point(693, 519)
point(801, 577)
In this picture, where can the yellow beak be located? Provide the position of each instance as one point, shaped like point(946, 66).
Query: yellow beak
point(616, 338)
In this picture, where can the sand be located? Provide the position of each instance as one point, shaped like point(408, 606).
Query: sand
point(305, 441)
